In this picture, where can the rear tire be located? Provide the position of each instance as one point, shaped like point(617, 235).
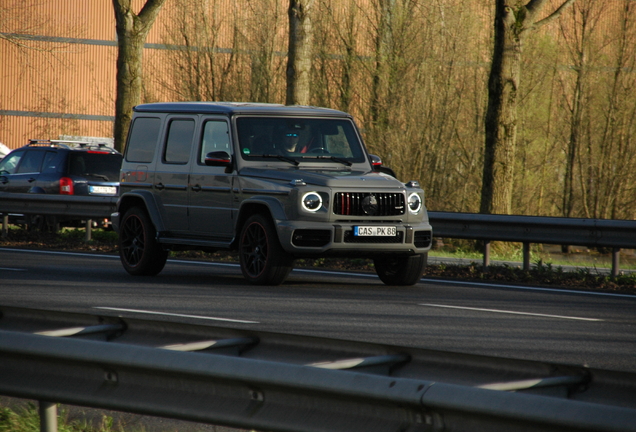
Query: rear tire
point(263, 260)
point(401, 270)
point(139, 251)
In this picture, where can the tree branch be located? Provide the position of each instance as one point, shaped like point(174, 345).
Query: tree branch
point(150, 10)
point(551, 17)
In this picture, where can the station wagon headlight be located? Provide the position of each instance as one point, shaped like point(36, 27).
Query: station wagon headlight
point(414, 203)
point(312, 201)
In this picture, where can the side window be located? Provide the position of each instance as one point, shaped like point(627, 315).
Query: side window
point(10, 163)
point(216, 137)
point(179, 141)
point(52, 162)
point(31, 162)
point(143, 139)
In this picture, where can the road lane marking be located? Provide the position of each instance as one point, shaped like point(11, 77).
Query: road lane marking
point(510, 312)
point(527, 288)
point(175, 315)
point(363, 275)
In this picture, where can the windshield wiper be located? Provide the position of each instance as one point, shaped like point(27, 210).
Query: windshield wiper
point(277, 156)
point(333, 158)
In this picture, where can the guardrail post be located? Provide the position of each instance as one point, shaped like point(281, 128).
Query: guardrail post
point(5, 225)
point(486, 254)
point(616, 257)
point(526, 256)
point(89, 226)
point(48, 416)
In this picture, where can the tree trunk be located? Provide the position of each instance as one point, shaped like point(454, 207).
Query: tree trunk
point(299, 55)
point(131, 35)
point(514, 20)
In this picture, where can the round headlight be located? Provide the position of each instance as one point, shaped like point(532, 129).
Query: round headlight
point(414, 203)
point(312, 201)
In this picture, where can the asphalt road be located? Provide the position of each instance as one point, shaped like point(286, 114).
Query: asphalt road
point(562, 326)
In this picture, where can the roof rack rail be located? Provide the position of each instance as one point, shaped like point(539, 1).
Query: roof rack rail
point(47, 143)
point(69, 144)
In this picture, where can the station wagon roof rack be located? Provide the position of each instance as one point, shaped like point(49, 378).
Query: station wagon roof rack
point(69, 144)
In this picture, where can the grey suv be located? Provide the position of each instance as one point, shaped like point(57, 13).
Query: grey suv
point(272, 182)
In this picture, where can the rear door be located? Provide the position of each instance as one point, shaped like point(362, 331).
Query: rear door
point(172, 172)
point(211, 197)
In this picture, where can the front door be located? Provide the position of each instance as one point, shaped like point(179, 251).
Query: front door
point(211, 209)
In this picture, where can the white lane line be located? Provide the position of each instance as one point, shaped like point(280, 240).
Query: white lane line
point(364, 275)
point(527, 288)
point(510, 312)
point(175, 315)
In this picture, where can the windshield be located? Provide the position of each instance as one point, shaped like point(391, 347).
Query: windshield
point(299, 140)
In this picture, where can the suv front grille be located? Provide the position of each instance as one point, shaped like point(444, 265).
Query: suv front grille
point(368, 204)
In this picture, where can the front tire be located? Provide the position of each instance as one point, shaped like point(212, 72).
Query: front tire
point(402, 270)
point(263, 260)
point(139, 251)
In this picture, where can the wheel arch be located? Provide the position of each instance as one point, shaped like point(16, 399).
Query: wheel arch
point(145, 200)
point(268, 207)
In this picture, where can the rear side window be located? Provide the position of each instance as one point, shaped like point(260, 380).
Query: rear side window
point(143, 139)
point(95, 166)
point(53, 162)
point(179, 141)
point(31, 162)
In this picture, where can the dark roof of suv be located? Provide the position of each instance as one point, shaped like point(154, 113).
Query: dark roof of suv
point(230, 108)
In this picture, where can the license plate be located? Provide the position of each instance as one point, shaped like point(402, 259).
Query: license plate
point(103, 190)
point(374, 231)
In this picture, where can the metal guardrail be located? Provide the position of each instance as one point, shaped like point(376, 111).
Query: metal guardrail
point(278, 382)
point(85, 207)
point(615, 234)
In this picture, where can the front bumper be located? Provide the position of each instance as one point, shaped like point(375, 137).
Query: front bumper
point(315, 239)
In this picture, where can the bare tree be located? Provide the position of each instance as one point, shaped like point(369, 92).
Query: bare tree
point(300, 53)
point(132, 30)
point(515, 20)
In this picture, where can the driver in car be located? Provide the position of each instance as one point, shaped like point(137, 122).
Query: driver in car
point(290, 142)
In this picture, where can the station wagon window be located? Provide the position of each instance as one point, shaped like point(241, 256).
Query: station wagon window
point(143, 139)
point(31, 162)
point(216, 137)
point(9, 164)
point(179, 141)
point(52, 163)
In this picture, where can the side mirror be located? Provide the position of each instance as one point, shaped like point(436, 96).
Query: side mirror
point(218, 158)
point(376, 164)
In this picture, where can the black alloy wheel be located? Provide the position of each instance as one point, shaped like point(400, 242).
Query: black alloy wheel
point(139, 251)
point(263, 260)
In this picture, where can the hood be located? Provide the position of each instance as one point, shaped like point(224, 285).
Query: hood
point(335, 178)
